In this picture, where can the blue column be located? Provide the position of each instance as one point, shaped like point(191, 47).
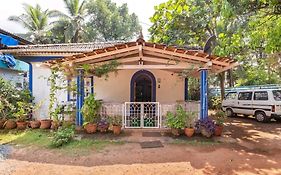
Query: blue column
point(203, 93)
point(30, 78)
point(79, 97)
point(186, 89)
point(92, 84)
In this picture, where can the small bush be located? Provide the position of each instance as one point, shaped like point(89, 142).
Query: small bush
point(63, 136)
point(205, 126)
point(215, 103)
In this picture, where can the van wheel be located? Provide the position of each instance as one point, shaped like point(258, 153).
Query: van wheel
point(261, 117)
point(229, 112)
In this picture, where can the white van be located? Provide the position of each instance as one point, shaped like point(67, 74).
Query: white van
point(264, 104)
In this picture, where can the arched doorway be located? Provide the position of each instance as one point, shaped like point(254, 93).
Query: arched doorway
point(143, 87)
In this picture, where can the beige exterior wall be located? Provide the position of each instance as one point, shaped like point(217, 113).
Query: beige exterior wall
point(116, 88)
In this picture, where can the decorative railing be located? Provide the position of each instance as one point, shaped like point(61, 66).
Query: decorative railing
point(146, 114)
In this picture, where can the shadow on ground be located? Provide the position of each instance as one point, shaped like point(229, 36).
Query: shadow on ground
point(256, 150)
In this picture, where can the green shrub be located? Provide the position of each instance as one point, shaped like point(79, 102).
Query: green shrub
point(219, 117)
point(176, 120)
point(11, 97)
point(215, 102)
point(63, 136)
point(90, 109)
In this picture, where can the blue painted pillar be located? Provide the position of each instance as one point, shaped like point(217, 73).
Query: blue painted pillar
point(186, 89)
point(203, 93)
point(79, 97)
point(30, 78)
point(92, 84)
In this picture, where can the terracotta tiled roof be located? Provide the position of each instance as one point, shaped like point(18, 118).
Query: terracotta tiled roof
point(64, 49)
point(140, 48)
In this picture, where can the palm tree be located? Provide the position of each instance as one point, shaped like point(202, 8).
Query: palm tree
point(35, 19)
point(72, 23)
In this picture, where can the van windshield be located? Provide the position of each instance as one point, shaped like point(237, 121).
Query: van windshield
point(277, 95)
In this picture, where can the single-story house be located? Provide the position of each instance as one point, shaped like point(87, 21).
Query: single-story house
point(147, 83)
point(11, 69)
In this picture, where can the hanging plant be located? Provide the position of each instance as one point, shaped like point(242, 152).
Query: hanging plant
point(101, 70)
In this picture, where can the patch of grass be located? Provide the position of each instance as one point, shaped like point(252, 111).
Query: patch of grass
point(27, 138)
point(42, 138)
point(84, 146)
point(202, 142)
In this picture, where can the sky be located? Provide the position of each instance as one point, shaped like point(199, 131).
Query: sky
point(144, 9)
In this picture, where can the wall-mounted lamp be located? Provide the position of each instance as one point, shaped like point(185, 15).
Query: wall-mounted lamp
point(158, 80)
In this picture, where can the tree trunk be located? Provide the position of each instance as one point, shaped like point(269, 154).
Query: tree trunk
point(75, 38)
point(222, 79)
point(230, 78)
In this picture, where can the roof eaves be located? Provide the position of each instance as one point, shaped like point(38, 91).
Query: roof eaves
point(20, 39)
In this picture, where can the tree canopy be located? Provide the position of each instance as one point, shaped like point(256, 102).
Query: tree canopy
point(84, 21)
point(110, 22)
point(36, 21)
point(248, 31)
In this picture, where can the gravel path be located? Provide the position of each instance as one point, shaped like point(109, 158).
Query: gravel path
point(4, 168)
point(16, 167)
point(4, 151)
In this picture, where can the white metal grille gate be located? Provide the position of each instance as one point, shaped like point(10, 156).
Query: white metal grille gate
point(142, 115)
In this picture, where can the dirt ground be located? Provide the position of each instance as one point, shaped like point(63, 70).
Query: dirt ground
point(248, 147)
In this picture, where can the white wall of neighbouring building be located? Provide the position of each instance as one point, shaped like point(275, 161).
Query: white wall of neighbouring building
point(41, 90)
point(15, 77)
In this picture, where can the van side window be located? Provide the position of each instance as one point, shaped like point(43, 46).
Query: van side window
point(277, 95)
point(231, 96)
point(261, 95)
point(245, 96)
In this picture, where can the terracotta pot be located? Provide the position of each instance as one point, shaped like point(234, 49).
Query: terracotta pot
point(10, 124)
point(189, 132)
point(91, 128)
point(55, 125)
point(175, 132)
point(79, 128)
point(21, 124)
point(2, 122)
point(34, 124)
point(205, 133)
point(218, 130)
point(116, 130)
point(45, 124)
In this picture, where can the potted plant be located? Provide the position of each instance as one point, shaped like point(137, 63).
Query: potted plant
point(22, 111)
point(34, 124)
point(90, 111)
point(6, 111)
point(205, 126)
point(45, 123)
point(189, 123)
point(176, 121)
point(2, 114)
point(2, 122)
point(219, 118)
point(103, 125)
point(116, 122)
point(10, 124)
